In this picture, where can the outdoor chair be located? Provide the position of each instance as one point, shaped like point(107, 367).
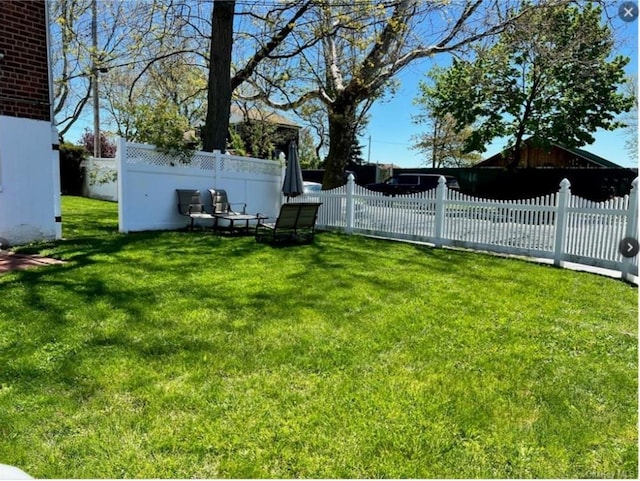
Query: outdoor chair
point(295, 223)
point(189, 205)
point(222, 210)
point(220, 203)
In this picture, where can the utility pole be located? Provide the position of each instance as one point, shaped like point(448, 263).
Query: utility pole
point(369, 154)
point(94, 74)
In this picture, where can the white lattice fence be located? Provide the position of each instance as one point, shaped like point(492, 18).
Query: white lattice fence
point(148, 179)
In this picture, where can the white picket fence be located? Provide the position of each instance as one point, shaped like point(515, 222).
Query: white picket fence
point(148, 179)
point(560, 226)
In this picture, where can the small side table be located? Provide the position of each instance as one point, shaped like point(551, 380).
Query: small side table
point(232, 219)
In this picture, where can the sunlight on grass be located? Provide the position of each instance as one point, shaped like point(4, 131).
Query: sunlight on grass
point(178, 354)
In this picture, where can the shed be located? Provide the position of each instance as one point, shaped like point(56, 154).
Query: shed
point(534, 156)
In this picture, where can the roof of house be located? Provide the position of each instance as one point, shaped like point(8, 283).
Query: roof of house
point(239, 115)
point(596, 159)
point(583, 154)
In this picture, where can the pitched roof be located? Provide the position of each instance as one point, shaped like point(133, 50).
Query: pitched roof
point(580, 153)
point(596, 159)
point(239, 115)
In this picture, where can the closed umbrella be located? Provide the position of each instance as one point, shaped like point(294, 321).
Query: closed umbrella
point(293, 184)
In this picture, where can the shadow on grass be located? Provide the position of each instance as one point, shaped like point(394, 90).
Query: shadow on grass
point(252, 285)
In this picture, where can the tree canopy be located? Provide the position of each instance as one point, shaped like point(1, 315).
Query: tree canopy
point(326, 61)
point(550, 75)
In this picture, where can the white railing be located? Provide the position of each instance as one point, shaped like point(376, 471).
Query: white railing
point(559, 226)
point(148, 179)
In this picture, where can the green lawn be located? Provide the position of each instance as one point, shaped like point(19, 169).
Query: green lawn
point(178, 355)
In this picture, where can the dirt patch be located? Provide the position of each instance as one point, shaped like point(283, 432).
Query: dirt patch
point(10, 261)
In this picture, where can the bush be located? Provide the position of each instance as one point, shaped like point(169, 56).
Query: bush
point(107, 148)
point(71, 169)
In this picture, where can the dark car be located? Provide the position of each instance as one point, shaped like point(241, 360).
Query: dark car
point(402, 184)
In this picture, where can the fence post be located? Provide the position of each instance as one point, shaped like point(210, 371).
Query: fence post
point(217, 166)
point(350, 203)
point(632, 227)
point(121, 169)
point(561, 221)
point(441, 192)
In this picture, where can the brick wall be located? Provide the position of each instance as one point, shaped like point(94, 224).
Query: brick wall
point(24, 73)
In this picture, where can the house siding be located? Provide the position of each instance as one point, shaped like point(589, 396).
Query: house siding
point(29, 159)
point(555, 156)
point(536, 158)
point(24, 71)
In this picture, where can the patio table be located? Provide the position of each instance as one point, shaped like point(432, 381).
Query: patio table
point(233, 218)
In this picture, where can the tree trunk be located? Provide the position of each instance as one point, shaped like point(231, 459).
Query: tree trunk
point(342, 121)
point(214, 134)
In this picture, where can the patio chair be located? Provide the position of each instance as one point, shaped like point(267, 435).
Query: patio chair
point(222, 210)
point(220, 203)
point(189, 205)
point(295, 223)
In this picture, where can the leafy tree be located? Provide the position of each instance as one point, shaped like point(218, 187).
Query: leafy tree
point(362, 48)
point(548, 77)
point(123, 30)
point(314, 116)
point(355, 155)
point(631, 118)
point(236, 143)
point(441, 144)
point(221, 84)
point(162, 125)
point(172, 81)
point(307, 153)
point(107, 147)
point(216, 127)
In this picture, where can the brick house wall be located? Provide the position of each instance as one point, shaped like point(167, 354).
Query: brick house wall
point(29, 158)
point(24, 74)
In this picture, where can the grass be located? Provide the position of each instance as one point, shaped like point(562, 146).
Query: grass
point(177, 355)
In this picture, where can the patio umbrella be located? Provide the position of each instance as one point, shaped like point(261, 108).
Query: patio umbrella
point(293, 184)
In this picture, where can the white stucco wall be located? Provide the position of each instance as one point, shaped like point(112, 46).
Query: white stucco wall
point(27, 177)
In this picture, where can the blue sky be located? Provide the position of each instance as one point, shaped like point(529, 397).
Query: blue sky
point(391, 129)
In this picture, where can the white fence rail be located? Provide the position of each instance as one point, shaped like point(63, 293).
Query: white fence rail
point(559, 226)
point(148, 179)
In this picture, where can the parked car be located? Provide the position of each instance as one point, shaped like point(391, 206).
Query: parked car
point(402, 184)
point(316, 175)
point(311, 187)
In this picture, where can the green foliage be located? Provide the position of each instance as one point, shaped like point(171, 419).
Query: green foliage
point(71, 170)
point(631, 118)
point(307, 151)
point(236, 144)
point(163, 126)
point(549, 76)
point(355, 155)
point(442, 144)
point(347, 358)
point(260, 138)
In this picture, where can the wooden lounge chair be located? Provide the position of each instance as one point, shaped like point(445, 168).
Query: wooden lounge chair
point(189, 205)
point(295, 223)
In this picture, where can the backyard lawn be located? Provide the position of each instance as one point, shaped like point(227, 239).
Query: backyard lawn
point(180, 355)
